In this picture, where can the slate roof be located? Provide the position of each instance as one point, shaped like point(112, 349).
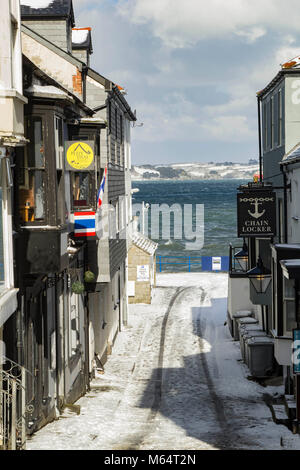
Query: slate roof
point(52, 9)
point(144, 243)
point(292, 155)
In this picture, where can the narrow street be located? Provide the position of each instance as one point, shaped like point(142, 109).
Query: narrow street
point(174, 381)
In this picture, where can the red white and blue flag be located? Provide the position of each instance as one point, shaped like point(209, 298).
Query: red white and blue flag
point(84, 224)
point(101, 190)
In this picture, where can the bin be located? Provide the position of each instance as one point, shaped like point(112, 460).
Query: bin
point(260, 356)
point(236, 316)
point(245, 335)
point(244, 321)
point(244, 329)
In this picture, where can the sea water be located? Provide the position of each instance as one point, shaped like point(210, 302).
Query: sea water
point(219, 198)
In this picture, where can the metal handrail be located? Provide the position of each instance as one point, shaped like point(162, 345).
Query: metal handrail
point(189, 261)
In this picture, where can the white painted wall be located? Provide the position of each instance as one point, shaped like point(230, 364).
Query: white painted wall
point(292, 112)
point(239, 296)
point(49, 62)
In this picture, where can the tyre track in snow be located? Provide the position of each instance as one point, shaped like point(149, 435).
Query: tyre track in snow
point(138, 443)
point(203, 366)
point(159, 376)
point(226, 437)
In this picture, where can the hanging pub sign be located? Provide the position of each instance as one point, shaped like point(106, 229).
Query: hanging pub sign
point(256, 214)
point(80, 156)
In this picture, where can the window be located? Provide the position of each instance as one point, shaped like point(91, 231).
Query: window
point(289, 304)
point(74, 324)
point(59, 142)
point(265, 120)
point(122, 212)
point(2, 274)
point(121, 130)
point(280, 221)
point(32, 174)
point(80, 183)
point(109, 116)
point(279, 118)
point(272, 122)
point(116, 124)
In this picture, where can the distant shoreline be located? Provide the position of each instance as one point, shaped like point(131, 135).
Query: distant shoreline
point(145, 180)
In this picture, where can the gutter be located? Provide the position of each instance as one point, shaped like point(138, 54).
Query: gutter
point(282, 168)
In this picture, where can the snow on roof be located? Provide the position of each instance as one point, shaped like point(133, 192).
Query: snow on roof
point(80, 35)
point(44, 8)
point(46, 90)
point(292, 63)
point(36, 3)
point(293, 154)
point(144, 243)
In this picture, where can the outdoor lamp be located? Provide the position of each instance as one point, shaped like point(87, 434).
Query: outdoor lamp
point(260, 277)
point(242, 257)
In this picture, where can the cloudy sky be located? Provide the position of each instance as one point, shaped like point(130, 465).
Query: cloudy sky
point(192, 69)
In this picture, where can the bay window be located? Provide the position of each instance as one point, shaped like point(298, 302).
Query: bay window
point(289, 306)
point(40, 170)
point(32, 174)
point(81, 193)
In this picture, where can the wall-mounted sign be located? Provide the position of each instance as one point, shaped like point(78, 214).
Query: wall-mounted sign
point(142, 273)
point(216, 263)
point(80, 156)
point(256, 214)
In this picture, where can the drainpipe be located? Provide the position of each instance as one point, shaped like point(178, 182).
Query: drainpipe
point(259, 138)
point(85, 70)
point(285, 204)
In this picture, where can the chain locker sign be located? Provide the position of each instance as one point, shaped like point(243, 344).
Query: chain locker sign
point(256, 214)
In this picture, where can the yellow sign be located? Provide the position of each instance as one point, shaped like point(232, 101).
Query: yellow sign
point(80, 156)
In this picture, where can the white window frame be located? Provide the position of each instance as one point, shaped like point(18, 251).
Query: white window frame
point(272, 127)
point(6, 182)
point(59, 149)
point(280, 118)
point(73, 321)
point(285, 300)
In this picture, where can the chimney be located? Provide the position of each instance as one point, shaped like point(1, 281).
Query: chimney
point(53, 21)
point(82, 47)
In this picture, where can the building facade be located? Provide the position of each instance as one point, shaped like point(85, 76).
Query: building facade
point(274, 260)
point(64, 299)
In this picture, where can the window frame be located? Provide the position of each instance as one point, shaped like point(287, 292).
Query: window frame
point(285, 300)
point(54, 206)
point(92, 134)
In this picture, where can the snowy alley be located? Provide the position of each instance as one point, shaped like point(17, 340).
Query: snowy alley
point(175, 381)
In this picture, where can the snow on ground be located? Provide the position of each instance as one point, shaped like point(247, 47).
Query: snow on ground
point(174, 382)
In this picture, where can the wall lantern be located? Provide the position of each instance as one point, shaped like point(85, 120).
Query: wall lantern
point(260, 277)
point(242, 257)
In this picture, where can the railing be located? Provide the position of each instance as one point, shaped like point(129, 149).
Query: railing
point(194, 263)
point(12, 406)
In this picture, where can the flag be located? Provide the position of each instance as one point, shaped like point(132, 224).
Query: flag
point(101, 190)
point(85, 224)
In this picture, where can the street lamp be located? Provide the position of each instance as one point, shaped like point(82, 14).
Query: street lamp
point(242, 257)
point(260, 277)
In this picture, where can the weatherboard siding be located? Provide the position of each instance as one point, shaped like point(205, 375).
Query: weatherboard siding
point(55, 31)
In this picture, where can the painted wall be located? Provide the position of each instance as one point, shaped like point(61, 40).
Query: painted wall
point(239, 296)
point(56, 66)
point(56, 31)
point(292, 110)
